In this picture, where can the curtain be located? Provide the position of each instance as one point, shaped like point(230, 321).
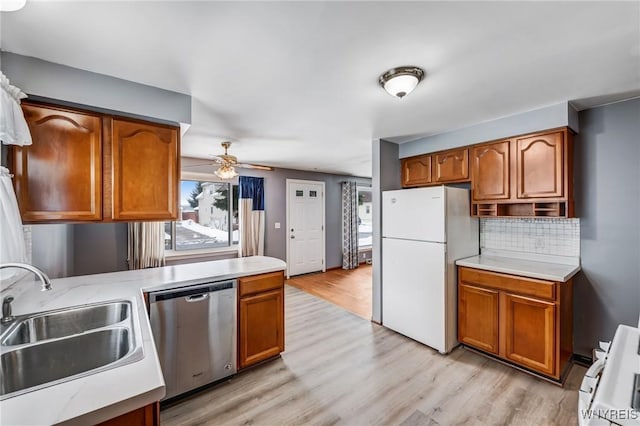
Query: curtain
point(146, 245)
point(13, 131)
point(12, 247)
point(251, 206)
point(13, 126)
point(349, 225)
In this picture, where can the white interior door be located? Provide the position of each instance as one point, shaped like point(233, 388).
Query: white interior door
point(305, 227)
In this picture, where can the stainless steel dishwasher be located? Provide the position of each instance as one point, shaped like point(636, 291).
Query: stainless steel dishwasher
point(195, 334)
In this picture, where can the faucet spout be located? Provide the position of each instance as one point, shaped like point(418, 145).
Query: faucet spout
point(46, 282)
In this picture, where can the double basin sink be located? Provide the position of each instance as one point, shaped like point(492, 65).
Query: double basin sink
point(48, 348)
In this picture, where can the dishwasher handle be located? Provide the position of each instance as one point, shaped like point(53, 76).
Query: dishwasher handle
point(192, 293)
point(197, 298)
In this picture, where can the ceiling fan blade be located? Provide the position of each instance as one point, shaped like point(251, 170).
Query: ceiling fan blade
point(253, 166)
point(209, 163)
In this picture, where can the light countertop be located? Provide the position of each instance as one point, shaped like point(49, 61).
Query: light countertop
point(526, 265)
point(110, 393)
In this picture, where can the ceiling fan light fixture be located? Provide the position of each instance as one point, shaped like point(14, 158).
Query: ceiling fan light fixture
point(401, 81)
point(226, 171)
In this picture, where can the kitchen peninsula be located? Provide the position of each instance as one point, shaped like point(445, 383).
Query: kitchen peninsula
point(99, 397)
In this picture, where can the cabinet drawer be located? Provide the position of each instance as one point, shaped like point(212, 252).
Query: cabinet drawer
point(511, 283)
point(259, 283)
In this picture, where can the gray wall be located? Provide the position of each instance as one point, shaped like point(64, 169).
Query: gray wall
point(386, 176)
point(64, 250)
point(52, 249)
point(559, 115)
point(275, 210)
point(99, 248)
point(607, 192)
point(72, 85)
point(275, 207)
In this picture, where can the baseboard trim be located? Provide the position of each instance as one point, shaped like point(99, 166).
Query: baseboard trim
point(558, 382)
point(582, 360)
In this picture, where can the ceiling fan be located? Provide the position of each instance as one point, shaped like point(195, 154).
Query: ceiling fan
point(227, 164)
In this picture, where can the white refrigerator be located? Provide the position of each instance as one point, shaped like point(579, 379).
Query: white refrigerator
point(424, 231)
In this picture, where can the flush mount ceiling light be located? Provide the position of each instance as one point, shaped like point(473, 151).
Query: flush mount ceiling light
point(11, 5)
point(401, 81)
point(226, 171)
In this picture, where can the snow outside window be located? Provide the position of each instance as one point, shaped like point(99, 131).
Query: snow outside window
point(365, 217)
point(208, 216)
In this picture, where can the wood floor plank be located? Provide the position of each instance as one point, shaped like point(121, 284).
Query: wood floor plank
point(341, 369)
point(350, 289)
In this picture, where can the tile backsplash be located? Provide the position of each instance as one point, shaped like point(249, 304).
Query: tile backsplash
point(26, 229)
point(556, 237)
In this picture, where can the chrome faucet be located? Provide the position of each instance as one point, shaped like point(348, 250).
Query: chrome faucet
point(6, 310)
point(46, 282)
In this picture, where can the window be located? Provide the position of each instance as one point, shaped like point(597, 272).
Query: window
point(365, 217)
point(208, 216)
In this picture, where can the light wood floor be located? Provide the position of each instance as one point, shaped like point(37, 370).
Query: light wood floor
point(341, 369)
point(350, 290)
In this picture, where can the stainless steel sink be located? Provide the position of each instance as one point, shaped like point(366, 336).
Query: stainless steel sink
point(37, 364)
point(49, 348)
point(67, 322)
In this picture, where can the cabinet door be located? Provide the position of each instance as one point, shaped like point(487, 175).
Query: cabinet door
point(530, 333)
point(416, 171)
point(478, 317)
point(539, 165)
point(451, 166)
point(261, 330)
point(145, 171)
point(59, 177)
point(149, 415)
point(490, 171)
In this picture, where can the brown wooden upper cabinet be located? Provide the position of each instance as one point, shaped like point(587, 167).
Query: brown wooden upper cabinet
point(416, 171)
point(145, 171)
point(490, 171)
point(451, 166)
point(59, 177)
point(87, 166)
point(435, 169)
point(525, 176)
point(540, 166)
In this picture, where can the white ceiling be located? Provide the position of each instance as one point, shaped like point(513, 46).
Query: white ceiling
point(294, 84)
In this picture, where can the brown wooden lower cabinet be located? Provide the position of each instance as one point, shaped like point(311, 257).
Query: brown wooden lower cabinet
point(478, 317)
point(524, 321)
point(149, 415)
point(260, 318)
point(530, 333)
